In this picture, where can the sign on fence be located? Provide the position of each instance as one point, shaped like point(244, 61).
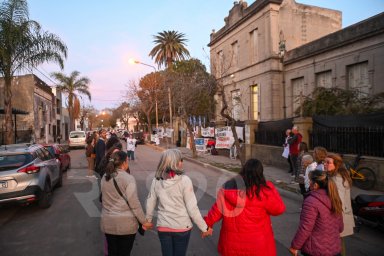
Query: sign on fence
point(224, 136)
point(208, 132)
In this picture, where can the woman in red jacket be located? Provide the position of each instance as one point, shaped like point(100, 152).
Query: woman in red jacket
point(245, 204)
point(321, 219)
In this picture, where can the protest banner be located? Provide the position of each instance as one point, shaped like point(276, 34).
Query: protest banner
point(208, 132)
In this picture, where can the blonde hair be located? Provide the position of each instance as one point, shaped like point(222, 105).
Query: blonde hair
point(169, 160)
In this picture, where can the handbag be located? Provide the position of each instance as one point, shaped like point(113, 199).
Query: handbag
point(285, 152)
point(140, 230)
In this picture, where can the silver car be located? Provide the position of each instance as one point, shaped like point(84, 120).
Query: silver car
point(28, 173)
point(77, 139)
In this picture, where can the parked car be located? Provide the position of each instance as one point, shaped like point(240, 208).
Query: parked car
point(28, 173)
point(60, 153)
point(77, 139)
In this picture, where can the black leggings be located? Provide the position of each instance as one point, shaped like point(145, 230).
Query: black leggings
point(120, 245)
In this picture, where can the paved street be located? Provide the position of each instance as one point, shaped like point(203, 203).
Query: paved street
point(71, 225)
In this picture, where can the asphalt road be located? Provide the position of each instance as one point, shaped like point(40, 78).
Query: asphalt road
point(71, 225)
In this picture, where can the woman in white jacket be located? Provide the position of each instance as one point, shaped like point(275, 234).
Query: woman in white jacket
point(333, 164)
point(177, 205)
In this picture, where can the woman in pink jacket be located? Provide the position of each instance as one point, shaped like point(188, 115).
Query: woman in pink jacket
point(321, 219)
point(245, 204)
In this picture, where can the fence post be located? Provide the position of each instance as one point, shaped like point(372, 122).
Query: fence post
point(304, 124)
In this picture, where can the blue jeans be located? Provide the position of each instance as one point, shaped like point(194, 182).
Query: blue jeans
point(131, 155)
point(174, 243)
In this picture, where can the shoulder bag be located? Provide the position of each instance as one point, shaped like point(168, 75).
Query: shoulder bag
point(141, 231)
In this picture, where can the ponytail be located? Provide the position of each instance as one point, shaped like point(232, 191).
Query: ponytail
point(114, 162)
point(321, 178)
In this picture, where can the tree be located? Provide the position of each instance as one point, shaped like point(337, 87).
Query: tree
point(194, 90)
point(338, 101)
point(74, 86)
point(145, 95)
point(222, 68)
point(23, 46)
point(170, 46)
point(90, 113)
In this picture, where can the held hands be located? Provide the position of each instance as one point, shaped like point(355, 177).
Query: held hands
point(293, 251)
point(207, 233)
point(147, 225)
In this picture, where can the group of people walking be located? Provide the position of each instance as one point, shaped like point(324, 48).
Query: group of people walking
point(244, 204)
point(326, 216)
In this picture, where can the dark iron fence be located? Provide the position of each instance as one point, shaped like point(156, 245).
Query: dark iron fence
point(353, 134)
point(367, 141)
point(273, 132)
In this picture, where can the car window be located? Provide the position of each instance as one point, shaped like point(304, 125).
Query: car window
point(77, 135)
point(9, 162)
point(51, 150)
point(40, 154)
point(47, 154)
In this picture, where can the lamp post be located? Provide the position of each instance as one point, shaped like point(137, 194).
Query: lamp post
point(157, 116)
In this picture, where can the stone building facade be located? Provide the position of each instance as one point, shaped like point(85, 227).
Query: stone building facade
point(31, 94)
point(350, 58)
point(245, 53)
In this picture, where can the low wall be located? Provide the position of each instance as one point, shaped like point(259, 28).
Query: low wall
point(271, 155)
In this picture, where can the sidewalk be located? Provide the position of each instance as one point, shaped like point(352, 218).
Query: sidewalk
point(281, 178)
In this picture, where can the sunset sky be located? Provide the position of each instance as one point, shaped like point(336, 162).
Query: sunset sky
point(102, 36)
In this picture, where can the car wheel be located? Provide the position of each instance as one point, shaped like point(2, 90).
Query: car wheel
point(60, 181)
point(46, 196)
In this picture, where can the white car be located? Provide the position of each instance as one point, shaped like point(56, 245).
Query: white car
point(77, 139)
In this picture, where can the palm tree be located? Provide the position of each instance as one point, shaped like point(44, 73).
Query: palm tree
point(170, 47)
point(73, 86)
point(23, 46)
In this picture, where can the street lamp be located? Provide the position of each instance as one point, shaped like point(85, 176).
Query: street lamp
point(133, 61)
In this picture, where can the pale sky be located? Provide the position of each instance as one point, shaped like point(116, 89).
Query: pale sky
point(102, 36)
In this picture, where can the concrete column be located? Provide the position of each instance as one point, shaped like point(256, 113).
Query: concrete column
point(250, 128)
point(304, 124)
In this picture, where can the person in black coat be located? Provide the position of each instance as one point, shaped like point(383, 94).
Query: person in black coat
point(100, 146)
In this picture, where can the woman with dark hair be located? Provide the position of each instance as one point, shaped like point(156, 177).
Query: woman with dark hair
point(245, 204)
point(119, 219)
point(335, 168)
point(90, 155)
point(172, 192)
point(110, 148)
point(320, 220)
